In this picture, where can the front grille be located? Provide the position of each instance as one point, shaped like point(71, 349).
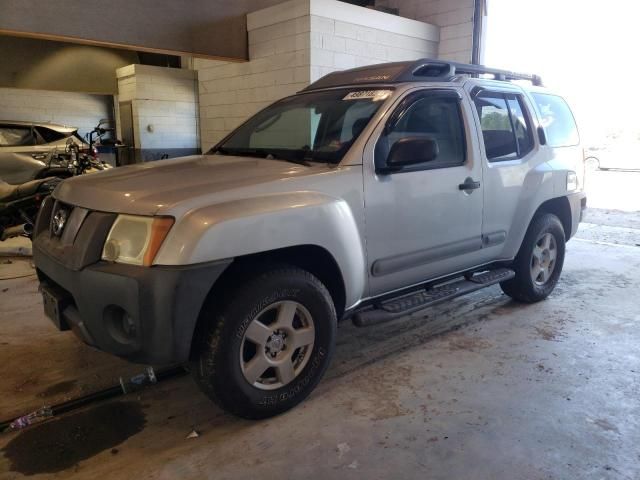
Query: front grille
point(79, 242)
point(43, 221)
point(71, 218)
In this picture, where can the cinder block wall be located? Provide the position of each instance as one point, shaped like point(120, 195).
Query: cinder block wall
point(231, 92)
point(347, 36)
point(454, 17)
point(295, 43)
point(80, 110)
point(165, 109)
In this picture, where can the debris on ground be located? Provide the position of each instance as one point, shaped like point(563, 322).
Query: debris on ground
point(148, 377)
point(193, 434)
point(342, 449)
point(29, 419)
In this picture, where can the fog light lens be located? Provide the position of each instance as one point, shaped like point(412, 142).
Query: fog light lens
point(128, 325)
point(121, 326)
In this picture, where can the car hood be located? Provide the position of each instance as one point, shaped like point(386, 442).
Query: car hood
point(51, 126)
point(168, 186)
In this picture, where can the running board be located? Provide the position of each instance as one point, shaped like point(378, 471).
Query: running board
point(419, 300)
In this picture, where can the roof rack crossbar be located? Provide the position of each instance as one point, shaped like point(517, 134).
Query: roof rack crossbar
point(412, 71)
point(451, 69)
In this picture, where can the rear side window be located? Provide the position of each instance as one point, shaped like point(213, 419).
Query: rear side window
point(15, 136)
point(506, 129)
point(557, 120)
point(51, 135)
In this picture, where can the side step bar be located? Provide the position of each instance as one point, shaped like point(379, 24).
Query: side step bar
point(418, 300)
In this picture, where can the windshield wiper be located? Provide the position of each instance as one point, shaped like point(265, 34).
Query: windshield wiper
point(222, 151)
point(294, 160)
point(284, 158)
point(246, 152)
point(261, 153)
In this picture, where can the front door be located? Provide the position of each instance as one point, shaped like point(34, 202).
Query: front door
point(21, 158)
point(423, 220)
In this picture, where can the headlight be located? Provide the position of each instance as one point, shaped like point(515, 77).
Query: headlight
point(572, 181)
point(135, 240)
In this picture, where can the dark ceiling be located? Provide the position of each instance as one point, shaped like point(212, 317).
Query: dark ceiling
point(205, 28)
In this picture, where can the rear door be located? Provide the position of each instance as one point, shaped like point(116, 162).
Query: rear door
point(505, 122)
point(420, 224)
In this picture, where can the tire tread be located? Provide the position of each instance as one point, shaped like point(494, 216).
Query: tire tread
point(218, 326)
point(521, 287)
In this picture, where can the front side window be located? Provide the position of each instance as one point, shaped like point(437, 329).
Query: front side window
point(16, 136)
point(557, 120)
point(431, 116)
point(316, 126)
point(506, 130)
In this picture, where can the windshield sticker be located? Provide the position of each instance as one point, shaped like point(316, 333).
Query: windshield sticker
point(374, 95)
point(373, 78)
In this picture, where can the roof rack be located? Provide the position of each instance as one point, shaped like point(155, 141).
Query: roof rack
point(415, 71)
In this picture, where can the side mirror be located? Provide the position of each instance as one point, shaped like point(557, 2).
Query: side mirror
point(542, 138)
point(411, 151)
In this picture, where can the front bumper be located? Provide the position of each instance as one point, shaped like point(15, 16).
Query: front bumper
point(578, 205)
point(162, 303)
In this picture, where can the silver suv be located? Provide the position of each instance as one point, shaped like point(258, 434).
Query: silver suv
point(373, 193)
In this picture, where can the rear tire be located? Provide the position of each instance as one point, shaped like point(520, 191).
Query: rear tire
point(539, 262)
point(266, 348)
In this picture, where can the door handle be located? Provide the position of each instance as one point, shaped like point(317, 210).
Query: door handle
point(39, 156)
point(469, 184)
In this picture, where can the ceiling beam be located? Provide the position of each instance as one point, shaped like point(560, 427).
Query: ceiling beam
point(201, 28)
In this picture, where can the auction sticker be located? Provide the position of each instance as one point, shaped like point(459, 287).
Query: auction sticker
point(375, 95)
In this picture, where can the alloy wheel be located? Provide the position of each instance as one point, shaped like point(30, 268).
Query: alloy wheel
point(276, 345)
point(543, 260)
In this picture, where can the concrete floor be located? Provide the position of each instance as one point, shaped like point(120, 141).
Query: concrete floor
point(480, 388)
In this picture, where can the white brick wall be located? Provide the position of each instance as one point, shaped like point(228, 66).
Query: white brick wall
point(69, 108)
point(339, 44)
point(230, 92)
point(454, 17)
point(294, 43)
point(164, 104)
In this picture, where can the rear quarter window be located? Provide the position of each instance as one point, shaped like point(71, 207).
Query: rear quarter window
point(557, 120)
point(16, 136)
point(51, 135)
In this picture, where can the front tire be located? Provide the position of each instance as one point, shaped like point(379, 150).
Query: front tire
point(539, 262)
point(592, 164)
point(267, 347)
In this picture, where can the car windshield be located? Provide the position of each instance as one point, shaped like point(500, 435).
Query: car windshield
point(317, 126)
